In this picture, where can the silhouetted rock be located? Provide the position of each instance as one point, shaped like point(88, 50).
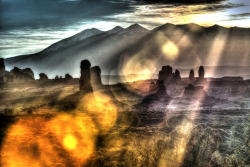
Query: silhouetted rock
point(85, 85)
point(165, 74)
point(153, 88)
point(2, 69)
point(176, 77)
point(43, 76)
point(20, 75)
point(158, 90)
point(161, 88)
point(68, 77)
point(2, 66)
point(160, 96)
point(201, 78)
point(29, 72)
point(156, 102)
point(191, 76)
point(96, 81)
point(201, 72)
point(56, 77)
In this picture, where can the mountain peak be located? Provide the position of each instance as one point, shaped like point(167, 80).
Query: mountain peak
point(216, 26)
point(135, 28)
point(192, 27)
point(73, 39)
point(165, 27)
point(87, 33)
point(116, 29)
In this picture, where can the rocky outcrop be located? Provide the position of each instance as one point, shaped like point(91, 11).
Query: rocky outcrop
point(166, 74)
point(29, 72)
point(96, 82)
point(43, 77)
point(152, 88)
point(176, 77)
point(201, 79)
point(84, 82)
point(2, 66)
point(20, 75)
point(191, 77)
point(160, 97)
point(68, 77)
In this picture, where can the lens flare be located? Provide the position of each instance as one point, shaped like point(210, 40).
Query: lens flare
point(170, 50)
point(101, 109)
point(63, 140)
point(70, 142)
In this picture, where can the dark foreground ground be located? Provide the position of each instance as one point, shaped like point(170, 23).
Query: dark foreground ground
point(130, 129)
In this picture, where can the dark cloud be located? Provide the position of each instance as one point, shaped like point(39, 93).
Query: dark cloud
point(215, 7)
point(182, 1)
point(16, 13)
point(241, 15)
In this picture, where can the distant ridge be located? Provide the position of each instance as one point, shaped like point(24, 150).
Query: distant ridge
point(116, 29)
point(194, 45)
point(134, 29)
point(73, 39)
point(65, 55)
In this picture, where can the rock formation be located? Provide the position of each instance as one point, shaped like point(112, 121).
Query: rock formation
point(201, 72)
point(201, 78)
point(166, 74)
point(68, 77)
point(161, 88)
point(84, 82)
point(2, 66)
point(191, 76)
point(43, 76)
point(159, 94)
point(96, 82)
point(153, 88)
point(2, 69)
point(176, 77)
point(165, 77)
point(29, 72)
point(20, 75)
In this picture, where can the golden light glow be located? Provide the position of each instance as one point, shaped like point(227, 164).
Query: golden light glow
point(170, 50)
point(64, 140)
point(70, 142)
point(138, 67)
point(101, 109)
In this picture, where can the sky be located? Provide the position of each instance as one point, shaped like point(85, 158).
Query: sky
point(29, 26)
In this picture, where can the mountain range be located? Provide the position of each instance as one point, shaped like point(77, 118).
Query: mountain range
point(138, 50)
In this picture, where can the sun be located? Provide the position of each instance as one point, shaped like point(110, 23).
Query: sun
point(70, 142)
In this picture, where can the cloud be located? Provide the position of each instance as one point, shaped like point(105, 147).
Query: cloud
point(241, 15)
point(181, 1)
point(15, 13)
point(215, 7)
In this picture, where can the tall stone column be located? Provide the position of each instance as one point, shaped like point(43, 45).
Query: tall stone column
point(85, 79)
point(96, 80)
point(2, 66)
